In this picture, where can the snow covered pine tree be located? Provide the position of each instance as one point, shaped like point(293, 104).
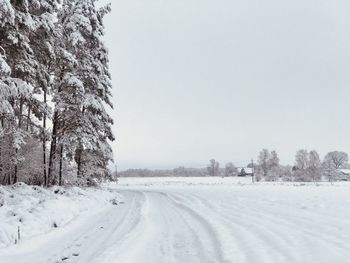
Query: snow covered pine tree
point(17, 82)
point(51, 51)
point(84, 128)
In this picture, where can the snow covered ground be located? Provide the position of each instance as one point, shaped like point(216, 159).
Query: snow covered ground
point(44, 214)
point(192, 220)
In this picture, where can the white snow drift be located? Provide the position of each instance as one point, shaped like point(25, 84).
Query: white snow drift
point(34, 210)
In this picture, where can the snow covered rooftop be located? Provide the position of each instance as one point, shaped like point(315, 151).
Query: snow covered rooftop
point(246, 169)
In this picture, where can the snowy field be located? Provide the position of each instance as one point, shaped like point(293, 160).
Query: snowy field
point(187, 220)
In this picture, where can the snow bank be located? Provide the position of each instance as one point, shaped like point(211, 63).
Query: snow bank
point(35, 210)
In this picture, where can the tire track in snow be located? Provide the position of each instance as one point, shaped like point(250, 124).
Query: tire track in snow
point(171, 234)
point(275, 234)
point(113, 223)
point(193, 232)
point(125, 232)
point(79, 241)
point(176, 235)
point(179, 226)
point(294, 229)
point(249, 234)
point(89, 245)
point(204, 231)
point(179, 237)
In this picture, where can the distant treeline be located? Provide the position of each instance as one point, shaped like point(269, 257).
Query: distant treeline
point(177, 172)
point(307, 167)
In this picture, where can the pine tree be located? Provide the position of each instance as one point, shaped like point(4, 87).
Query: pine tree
point(81, 125)
point(52, 51)
point(44, 44)
point(14, 41)
point(23, 41)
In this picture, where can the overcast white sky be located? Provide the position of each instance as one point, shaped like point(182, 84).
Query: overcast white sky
point(201, 79)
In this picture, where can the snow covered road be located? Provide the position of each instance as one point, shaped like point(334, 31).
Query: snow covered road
point(190, 223)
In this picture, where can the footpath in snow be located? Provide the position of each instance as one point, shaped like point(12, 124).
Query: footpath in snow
point(192, 220)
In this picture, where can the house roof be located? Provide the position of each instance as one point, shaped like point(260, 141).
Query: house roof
point(246, 169)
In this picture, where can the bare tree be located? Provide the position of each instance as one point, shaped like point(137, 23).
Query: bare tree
point(301, 165)
point(231, 170)
point(274, 161)
point(263, 161)
point(339, 159)
point(329, 170)
point(268, 165)
point(308, 166)
point(213, 168)
point(301, 159)
point(314, 166)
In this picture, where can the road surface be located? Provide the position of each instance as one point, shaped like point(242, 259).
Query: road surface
point(207, 224)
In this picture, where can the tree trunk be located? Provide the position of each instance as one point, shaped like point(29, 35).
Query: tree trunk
point(1, 162)
point(78, 160)
point(28, 119)
point(20, 118)
point(52, 148)
point(15, 175)
point(46, 183)
point(61, 166)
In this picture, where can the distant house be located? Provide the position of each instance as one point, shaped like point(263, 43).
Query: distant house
point(245, 171)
